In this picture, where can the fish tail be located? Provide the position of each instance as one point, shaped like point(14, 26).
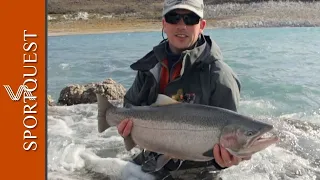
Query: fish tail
point(104, 106)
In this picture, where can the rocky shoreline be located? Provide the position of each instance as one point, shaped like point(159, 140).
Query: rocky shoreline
point(266, 14)
point(86, 93)
point(227, 15)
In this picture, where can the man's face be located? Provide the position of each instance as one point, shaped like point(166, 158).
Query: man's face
point(181, 36)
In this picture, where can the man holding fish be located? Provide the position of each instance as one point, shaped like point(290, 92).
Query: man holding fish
point(188, 68)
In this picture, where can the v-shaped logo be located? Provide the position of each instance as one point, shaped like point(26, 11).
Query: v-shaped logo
point(17, 96)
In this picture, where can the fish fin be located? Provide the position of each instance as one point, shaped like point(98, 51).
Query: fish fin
point(129, 143)
point(103, 106)
point(164, 100)
point(208, 153)
point(162, 161)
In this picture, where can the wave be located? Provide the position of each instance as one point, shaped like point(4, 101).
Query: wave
point(77, 150)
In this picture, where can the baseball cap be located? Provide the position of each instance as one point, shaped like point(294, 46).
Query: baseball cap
point(195, 6)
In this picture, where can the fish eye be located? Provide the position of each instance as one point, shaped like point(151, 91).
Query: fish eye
point(249, 133)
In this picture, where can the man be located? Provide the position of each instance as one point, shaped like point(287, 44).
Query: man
point(187, 66)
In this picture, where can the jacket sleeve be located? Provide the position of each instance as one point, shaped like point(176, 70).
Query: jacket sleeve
point(226, 92)
point(132, 95)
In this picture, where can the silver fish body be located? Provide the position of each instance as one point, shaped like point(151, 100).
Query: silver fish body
point(186, 131)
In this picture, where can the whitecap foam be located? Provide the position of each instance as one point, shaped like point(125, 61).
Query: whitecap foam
point(311, 116)
point(272, 163)
point(64, 66)
point(114, 167)
point(256, 107)
point(76, 149)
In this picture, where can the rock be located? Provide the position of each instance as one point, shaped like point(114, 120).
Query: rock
point(83, 94)
point(50, 101)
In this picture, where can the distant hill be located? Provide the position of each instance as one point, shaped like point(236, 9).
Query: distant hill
point(115, 15)
point(137, 8)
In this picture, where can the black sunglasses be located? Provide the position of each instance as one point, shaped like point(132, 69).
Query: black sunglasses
point(188, 19)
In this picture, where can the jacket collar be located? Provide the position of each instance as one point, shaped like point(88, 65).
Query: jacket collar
point(199, 54)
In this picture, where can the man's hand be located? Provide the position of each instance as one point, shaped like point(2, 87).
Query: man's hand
point(124, 128)
point(224, 158)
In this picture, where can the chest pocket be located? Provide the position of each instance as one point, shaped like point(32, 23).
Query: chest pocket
point(199, 83)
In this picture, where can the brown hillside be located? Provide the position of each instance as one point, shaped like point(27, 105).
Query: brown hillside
point(138, 8)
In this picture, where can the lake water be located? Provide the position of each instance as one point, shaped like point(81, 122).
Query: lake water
point(279, 69)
